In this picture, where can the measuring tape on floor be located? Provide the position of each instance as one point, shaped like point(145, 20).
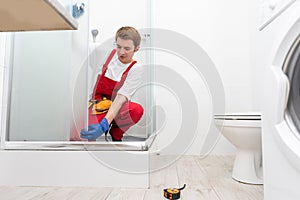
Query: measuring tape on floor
point(173, 193)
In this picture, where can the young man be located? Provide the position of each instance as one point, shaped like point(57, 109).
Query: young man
point(119, 79)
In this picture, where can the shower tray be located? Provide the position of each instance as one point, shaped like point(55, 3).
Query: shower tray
point(129, 143)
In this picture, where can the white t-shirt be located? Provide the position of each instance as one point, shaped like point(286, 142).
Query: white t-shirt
point(133, 80)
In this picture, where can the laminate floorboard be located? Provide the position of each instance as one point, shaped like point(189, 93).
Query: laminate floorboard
point(207, 178)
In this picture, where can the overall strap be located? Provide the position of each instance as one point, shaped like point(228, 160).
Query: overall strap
point(130, 66)
point(120, 84)
point(124, 75)
point(111, 55)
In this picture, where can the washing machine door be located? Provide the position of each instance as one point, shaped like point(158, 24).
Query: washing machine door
point(288, 130)
point(292, 71)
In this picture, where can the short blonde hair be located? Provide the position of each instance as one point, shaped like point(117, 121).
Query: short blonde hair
point(129, 33)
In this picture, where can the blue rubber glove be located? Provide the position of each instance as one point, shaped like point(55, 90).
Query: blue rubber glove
point(95, 130)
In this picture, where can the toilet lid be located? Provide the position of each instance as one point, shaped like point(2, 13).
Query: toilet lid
point(239, 116)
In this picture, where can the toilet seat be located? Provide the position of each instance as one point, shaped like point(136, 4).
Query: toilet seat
point(239, 119)
point(239, 116)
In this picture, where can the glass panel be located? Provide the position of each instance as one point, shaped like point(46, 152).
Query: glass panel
point(102, 45)
point(52, 75)
point(48, 84)
point(40, 92)
point(144, 94)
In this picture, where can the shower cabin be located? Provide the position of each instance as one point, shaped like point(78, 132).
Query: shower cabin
point(46, 92)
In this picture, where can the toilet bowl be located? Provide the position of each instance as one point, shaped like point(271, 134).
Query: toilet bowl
point(243, 130)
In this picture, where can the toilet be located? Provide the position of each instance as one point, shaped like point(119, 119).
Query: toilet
point(243, 130)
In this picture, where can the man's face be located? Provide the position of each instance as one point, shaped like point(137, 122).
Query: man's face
point(125, 50)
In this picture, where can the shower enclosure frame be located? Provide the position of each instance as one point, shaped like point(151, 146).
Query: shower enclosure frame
point(141, 144)
point(70, 163)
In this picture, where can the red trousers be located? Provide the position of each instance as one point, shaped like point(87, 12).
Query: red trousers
point(129, 114)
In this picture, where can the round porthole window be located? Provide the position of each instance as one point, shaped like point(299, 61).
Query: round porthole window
point(292, 70)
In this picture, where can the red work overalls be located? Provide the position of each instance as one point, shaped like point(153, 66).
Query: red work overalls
point(129, 114)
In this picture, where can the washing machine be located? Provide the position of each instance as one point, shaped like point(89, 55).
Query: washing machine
point(279, 40)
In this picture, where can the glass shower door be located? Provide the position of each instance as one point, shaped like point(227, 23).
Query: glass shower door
point(40, 88)
point(47, 85)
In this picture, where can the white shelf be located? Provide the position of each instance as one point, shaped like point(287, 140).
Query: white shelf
point(35, 15)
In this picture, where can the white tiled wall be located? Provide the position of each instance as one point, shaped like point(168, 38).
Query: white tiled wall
point(222, 29)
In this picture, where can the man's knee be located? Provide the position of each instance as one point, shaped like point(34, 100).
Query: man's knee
point(137, 112)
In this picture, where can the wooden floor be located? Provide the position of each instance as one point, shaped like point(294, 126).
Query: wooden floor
point(206, 178)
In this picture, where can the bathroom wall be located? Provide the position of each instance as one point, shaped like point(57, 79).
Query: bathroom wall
point(109, 16)
point(257, 52)
point(223, 29)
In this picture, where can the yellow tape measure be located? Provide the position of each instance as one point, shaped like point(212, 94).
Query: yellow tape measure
point(173, 193)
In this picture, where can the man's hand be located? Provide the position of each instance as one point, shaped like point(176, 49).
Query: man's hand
point(95, 130)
